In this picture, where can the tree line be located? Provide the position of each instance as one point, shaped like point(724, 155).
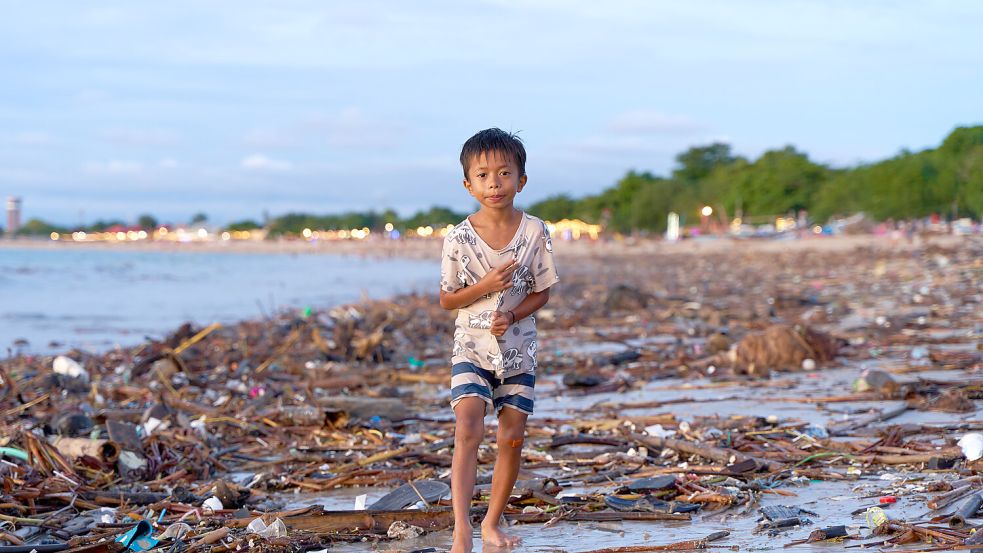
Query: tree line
point(947, 180)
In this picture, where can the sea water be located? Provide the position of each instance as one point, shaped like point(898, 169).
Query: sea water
point(53, 299)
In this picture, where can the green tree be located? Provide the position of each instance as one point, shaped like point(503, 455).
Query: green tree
point(147, 222)
point(245, 224)
point(696, 163)
point(554, 208)
point(199, 218)
point(37, 227)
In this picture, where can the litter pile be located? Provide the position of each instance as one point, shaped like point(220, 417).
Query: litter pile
point(679, 394)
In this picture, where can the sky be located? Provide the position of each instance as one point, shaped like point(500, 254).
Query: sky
point(240, 108)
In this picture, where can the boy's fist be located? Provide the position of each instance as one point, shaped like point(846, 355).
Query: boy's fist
point(500, 277)
point(499, 323)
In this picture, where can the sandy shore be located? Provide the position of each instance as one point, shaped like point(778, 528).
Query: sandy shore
point(430, 248)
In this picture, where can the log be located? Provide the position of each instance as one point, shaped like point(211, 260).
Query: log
point(718, 454)
point(601, 516)
point(677, 546)
point(373, 522)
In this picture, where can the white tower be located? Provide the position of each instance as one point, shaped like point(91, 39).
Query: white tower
point(13, 214)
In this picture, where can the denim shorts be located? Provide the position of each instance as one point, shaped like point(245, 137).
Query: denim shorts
point(469, 380)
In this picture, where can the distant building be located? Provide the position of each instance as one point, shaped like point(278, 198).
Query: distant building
point(13, 214)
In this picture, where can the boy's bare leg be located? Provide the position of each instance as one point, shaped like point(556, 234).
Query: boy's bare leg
point(511, 433)
point(469, 429)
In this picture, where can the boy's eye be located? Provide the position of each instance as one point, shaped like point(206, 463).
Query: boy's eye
point(480, 175)
point(505, 173)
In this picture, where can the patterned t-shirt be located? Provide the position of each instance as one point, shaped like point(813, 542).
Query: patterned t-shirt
point(464, 261)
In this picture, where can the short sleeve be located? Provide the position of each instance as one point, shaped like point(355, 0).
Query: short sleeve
point(450, 266)
point(543, 266)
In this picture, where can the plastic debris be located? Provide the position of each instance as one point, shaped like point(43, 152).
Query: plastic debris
point(67, 366)
point(139, 538)
point(276, 529)
point(972, 446)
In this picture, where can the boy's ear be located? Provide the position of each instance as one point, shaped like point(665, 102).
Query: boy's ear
point(522, 183)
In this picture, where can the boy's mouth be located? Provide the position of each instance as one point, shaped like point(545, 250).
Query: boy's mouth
point(496, 198)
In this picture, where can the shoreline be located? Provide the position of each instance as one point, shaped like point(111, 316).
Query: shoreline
point(430, 248)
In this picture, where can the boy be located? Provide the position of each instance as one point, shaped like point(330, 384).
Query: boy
point(496, 270)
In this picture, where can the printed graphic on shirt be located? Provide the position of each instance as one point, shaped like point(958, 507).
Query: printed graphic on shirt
point(523, 281)
point(483, 320)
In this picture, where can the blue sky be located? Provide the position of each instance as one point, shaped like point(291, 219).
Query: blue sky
point(112, 109)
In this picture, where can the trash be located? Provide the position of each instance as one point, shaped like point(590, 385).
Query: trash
point(649, 504)
point(400, 530)
point(782, 348)
point(659, 432)
point(276, 529)
point(816, 431)
point(573, 380)
point(652, 484)
point(782, 512)
point(67, 366)
point(428, 491)
point(212, 504)
point(73, 448)
point(139, 538)
point(177, 531)
point(213, 426)
point(967, 510)
point(876, 381)
point(972, 446)
point(875, 517)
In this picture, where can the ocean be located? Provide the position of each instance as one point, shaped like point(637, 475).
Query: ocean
point(96, 299)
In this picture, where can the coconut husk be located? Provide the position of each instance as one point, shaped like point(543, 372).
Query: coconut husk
point(782, 348)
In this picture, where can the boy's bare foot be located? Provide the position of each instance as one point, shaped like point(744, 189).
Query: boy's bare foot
point(463, 541)
point(492, 534)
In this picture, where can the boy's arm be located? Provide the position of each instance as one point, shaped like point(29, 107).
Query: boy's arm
point(529, 305)
point(499, 278)
point(532, 303)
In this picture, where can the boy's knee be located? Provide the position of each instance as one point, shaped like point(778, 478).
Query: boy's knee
point(511, 437)
point(469, 431)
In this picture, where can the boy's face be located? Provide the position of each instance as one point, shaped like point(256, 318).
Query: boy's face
point(494, 180)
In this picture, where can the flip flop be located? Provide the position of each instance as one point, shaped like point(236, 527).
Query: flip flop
point(649, 504)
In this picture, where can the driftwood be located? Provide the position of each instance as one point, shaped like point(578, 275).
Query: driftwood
point(373, 522)
point(677, 546)
point(718, 454)
point(601, 516)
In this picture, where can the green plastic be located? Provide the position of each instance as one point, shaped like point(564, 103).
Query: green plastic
point(13, 452)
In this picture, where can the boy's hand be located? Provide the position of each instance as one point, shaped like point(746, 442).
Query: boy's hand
point(500, 277)
point(499, 323)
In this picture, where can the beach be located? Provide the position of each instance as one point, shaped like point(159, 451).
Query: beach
point(650, 366)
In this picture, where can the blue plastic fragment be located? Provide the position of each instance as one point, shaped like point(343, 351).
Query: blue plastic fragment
point(139, 538)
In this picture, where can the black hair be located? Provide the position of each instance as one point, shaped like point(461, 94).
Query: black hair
point(493, 140)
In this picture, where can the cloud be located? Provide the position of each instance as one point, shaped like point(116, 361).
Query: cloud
point(652, 122)
point(168, 163)
point(347, 128)
point(259, 162)
point(113, 167)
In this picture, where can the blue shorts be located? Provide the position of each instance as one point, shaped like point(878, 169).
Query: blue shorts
point(469, 380)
